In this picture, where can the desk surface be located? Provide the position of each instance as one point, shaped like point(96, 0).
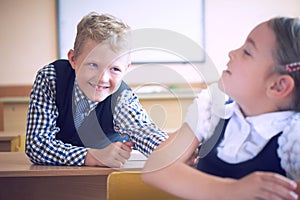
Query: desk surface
point(20, 179)
point(17, 164)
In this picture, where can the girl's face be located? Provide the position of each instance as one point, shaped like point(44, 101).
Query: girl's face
point(250, 68)
point(99, 70)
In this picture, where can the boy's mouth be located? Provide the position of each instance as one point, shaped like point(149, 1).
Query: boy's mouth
point(99, 87)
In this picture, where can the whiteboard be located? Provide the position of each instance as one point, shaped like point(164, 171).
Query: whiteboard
point(173, 29)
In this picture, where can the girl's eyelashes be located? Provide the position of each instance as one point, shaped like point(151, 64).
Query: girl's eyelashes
point(246, 52)
point(247, 49)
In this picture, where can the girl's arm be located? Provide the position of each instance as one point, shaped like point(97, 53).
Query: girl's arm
point(166, 169)
point(298, 188)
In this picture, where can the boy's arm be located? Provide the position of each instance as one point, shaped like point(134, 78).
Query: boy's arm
point(131, 119)
point(41, 144)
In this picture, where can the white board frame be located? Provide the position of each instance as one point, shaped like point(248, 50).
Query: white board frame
point(182, 17)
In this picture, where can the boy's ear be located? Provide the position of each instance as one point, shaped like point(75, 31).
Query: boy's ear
point(282, 86)
point(71, 58)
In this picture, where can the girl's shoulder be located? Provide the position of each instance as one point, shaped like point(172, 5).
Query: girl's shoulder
point(289, 147)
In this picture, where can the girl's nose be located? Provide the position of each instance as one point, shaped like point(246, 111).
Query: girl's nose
point(231, 54)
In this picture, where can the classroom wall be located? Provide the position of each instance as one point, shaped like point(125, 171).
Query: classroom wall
point(28, 39)
point(230, 21)
point(28, 35)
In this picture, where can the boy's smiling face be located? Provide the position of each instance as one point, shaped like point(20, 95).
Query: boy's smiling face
point(99, 70)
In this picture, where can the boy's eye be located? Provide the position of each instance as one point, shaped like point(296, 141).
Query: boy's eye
point(115, 69)
point(93, 65)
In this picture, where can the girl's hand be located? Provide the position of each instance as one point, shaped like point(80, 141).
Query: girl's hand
point(263, 185)
point(194, 159)
point(298, 188)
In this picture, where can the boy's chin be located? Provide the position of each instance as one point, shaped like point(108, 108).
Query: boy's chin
point(99, 98)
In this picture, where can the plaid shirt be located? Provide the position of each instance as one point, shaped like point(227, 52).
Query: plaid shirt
point(42, 147)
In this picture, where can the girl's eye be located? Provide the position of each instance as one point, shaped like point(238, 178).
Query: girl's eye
point(246, 52)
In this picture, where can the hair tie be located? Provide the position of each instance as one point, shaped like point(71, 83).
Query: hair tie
point(292, 67)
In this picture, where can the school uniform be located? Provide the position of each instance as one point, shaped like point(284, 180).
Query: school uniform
point(51, 135)
point(238, 145)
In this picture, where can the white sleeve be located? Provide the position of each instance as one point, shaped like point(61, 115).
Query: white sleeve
point(289, 148)
point(199, 117)
point(204, 113)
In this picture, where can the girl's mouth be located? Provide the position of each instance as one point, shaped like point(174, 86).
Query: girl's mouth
point(227, 71)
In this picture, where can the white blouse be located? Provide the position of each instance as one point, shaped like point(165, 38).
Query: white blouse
point(244, 137)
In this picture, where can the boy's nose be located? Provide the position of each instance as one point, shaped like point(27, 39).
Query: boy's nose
point(104, 76)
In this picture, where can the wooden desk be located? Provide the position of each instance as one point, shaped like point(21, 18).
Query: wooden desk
point(13, 113)
point(12, 141)
point(20, 179)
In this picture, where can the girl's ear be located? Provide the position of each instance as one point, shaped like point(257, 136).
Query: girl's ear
point(71, 58)
point(281, 87)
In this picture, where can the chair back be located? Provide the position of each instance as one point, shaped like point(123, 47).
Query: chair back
point(129, 185)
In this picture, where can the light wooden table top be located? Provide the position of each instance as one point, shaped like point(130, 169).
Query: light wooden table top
point(17, 164)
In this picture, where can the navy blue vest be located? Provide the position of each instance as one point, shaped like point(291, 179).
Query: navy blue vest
point(266, 160)
point(97, 129)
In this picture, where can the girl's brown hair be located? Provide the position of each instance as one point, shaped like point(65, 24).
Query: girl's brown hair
point(287, 32)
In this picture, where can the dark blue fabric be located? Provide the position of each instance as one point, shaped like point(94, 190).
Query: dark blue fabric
point(88, 134)
point(266, 160)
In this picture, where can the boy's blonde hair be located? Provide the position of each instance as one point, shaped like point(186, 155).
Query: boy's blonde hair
point(102, 28)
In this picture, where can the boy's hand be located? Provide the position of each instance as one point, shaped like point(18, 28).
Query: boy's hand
point(114, 155)
point(129, 144)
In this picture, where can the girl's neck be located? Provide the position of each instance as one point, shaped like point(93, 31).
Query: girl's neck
point(257, 109)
